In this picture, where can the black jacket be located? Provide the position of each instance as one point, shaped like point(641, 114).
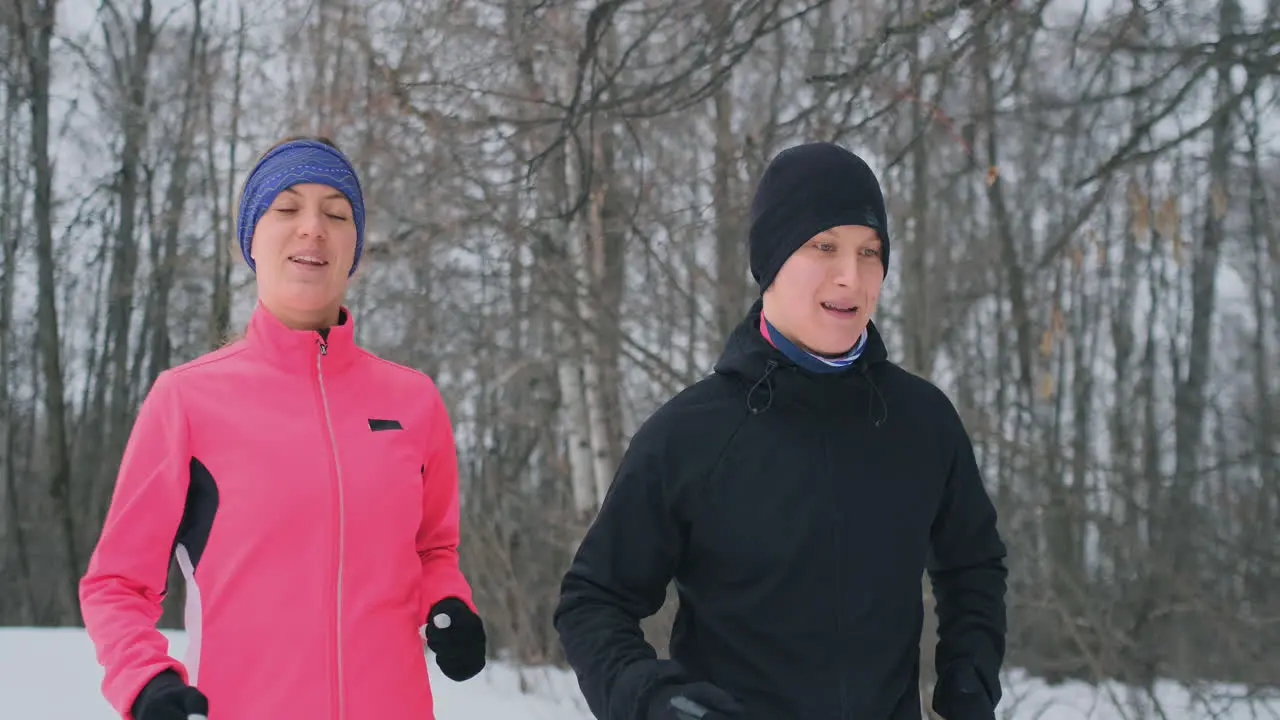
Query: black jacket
point(797, 513)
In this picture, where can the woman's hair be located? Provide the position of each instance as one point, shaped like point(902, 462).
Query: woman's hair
point(229, 337)
point(291, 138)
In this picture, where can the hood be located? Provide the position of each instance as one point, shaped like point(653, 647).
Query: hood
point(772, 377)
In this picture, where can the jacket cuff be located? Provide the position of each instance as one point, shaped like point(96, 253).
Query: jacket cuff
point(636, 687)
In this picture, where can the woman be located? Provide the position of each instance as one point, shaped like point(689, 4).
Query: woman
point(307, 488)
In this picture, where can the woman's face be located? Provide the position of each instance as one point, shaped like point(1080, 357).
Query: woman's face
point(303, 250)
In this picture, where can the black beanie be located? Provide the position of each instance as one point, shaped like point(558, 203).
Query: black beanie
point(806, 190)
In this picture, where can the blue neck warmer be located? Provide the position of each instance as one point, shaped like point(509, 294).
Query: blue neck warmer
point(808, 360)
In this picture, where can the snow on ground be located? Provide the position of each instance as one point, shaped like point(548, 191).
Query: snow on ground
point(51, 674)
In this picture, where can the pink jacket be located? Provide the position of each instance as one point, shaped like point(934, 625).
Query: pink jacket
point(309, 492)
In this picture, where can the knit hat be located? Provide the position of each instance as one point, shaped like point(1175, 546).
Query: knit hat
point(806, 190)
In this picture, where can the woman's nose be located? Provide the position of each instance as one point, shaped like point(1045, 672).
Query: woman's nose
point(311, 222)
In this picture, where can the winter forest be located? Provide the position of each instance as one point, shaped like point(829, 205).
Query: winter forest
point(1086, 257)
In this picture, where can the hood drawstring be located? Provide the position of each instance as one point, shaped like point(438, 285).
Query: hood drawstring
point(872, 397)
point(764, 380)
point(766, 383)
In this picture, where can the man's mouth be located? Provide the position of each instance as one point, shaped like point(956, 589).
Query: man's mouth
point(848, 309)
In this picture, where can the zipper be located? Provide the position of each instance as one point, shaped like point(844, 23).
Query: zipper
point(337, 468)
point(837, 541)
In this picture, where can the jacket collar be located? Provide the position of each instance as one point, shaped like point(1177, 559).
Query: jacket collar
point(298, 350)
point(768, 371)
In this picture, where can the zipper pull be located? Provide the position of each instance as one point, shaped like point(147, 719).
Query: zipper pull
point(324, 347)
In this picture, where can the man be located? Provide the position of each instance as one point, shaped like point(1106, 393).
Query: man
point(795, 495)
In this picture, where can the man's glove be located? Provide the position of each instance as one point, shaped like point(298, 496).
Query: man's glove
point(695, 701)
point(166, 697)
point(961, 695)
point(456, 635)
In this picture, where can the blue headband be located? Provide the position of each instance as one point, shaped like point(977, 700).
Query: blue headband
point(293, 163)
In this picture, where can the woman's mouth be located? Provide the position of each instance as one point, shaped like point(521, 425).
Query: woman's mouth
point(307, 260)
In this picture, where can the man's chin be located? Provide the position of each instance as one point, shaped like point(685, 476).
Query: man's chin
point(837, 346)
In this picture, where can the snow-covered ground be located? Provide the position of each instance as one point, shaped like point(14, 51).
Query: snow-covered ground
point(52, 675)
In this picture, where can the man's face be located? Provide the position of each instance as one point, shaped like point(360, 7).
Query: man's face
point(827, 290)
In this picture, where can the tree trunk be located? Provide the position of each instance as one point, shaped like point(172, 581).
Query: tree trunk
point(220, 315)
point(38, 36)
point(12, 229)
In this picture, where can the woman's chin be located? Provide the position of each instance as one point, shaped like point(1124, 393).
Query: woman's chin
point(307, 299)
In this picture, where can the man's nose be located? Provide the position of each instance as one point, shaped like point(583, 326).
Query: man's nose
point(846, 272)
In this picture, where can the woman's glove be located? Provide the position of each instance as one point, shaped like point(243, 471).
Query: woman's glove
point(166, 697)
point(456, 635)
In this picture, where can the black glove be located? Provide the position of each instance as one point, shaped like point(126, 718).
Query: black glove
point(166, 697)
point(460, 645)
point(961, 695)
point(695, 701)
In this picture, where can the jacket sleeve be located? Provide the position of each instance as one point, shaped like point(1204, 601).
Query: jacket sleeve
point(968, 575)
point(619, 576)
point(438, 533)
point(126, 579)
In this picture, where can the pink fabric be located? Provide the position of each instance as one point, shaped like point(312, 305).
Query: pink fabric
point(329, 543)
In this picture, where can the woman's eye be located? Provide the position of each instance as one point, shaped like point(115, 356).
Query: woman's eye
point(335, 216)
